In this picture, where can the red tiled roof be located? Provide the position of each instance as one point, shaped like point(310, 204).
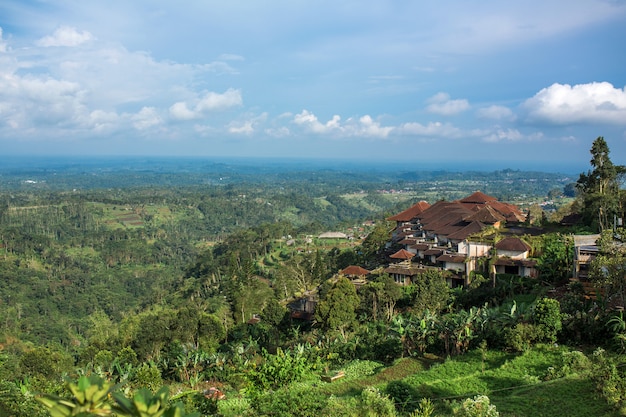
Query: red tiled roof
point(487, 215)
point(434, 251)
point(354, 270)
point(402, 254)
point(513, 244)
point(410, 213)
point(469, 229)
point(478, 198)
point(451, 218)
point(421, 246)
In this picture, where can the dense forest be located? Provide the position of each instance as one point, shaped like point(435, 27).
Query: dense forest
point(143, 288)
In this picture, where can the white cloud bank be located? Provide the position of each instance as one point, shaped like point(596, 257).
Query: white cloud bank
point(560, 104)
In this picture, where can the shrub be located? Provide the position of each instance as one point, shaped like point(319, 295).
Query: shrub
point(610, 381)
point(280, 369)
point(570, 362)
point(547, 316)
point(374, 404)
point(425, 409)
point(402, 394)
point(521, 337)
point(148, 376)
point(479, 406)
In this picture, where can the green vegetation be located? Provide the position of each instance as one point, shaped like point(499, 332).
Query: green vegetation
point(174, 300)
point(602, 199)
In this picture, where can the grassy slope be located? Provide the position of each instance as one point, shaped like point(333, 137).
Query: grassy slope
point(515, 384)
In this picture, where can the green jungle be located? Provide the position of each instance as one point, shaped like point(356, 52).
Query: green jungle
point(170, 291)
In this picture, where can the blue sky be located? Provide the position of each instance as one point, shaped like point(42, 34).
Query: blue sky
point(386, 80)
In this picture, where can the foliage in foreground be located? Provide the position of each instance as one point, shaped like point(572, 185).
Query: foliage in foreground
point(93, 396)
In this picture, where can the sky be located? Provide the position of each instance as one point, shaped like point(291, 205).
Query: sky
point(484, 82)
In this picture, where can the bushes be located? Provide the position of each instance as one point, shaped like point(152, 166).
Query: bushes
point(521, 337)
point(609, 379)
point(279, 370)
point(545, 326)
point(547, 317)
point(403, 395)
point(479, 406)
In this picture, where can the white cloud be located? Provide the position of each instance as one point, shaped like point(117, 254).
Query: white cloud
point(3, 44)
point(249, 126)
point(30, 101)
point(310, 121)
point(510, 135)
point(441, 103)
point(146, 118)
point(211, 101)
point(370, 128)
point(180, 111)
point(364, 126)
point(101, 121)
point(495, 113)
point(597, 102)
point(215, 101)
point(245, 128)
point(65, 36)
point(432, 129)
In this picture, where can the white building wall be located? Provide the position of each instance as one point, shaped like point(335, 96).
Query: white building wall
point(474, 249)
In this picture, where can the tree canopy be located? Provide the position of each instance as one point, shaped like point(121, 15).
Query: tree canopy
point(600, 194)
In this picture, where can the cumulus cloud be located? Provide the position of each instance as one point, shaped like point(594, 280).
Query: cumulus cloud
point(245, 128)
point(248, 126)
point(368, 127)
point(432, 129)
point(146, 118)
point(65, 36)
point(210, 102)
point(441, 104)
point(310, 121)
point(180, 111)
point(597, 102)
point(364, 126)
point(101, 121)
point(90, 88)
point(495, 113)
point(46, 101)
point(216, 101)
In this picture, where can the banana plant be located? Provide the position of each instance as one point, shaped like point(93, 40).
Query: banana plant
point(93, 396)
point(90, 398)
